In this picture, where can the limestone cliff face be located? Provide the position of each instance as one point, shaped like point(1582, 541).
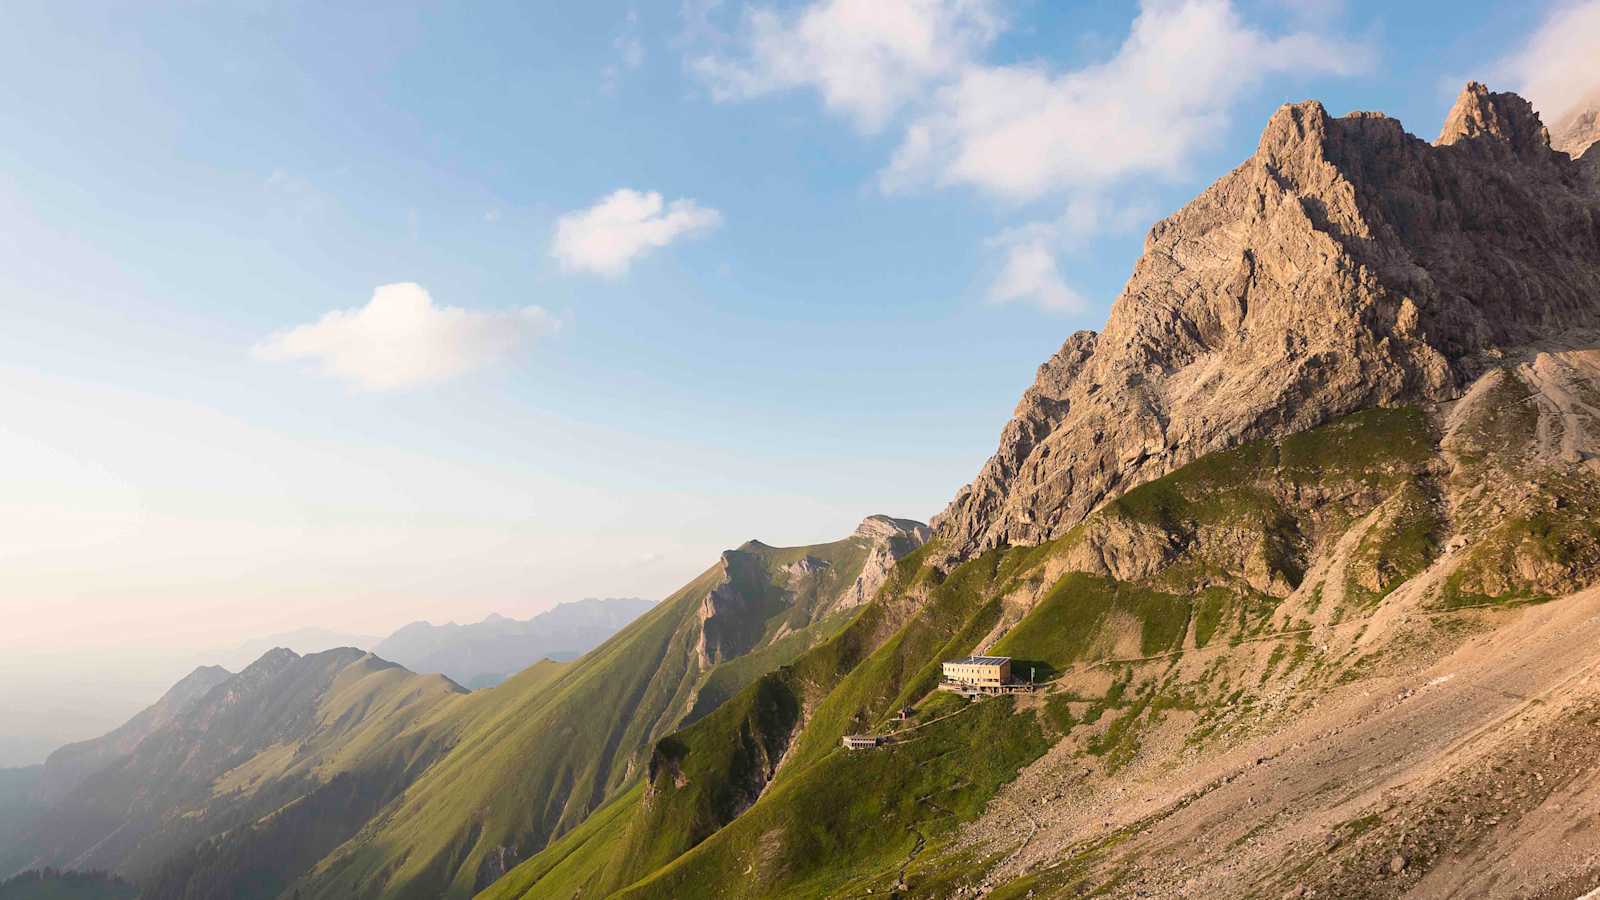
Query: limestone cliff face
point(1346, 264)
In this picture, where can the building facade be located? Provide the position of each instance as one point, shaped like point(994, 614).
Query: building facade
point(979, 671)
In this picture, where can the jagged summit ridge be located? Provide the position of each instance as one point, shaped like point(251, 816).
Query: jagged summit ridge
point(1497, 121)
point(1346, 264)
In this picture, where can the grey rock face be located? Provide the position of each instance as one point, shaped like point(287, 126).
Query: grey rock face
point(1346, 264)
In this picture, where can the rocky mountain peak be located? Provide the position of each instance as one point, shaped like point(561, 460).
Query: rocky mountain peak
point(1346, 264)
point(882, 528)
point(1497, 121)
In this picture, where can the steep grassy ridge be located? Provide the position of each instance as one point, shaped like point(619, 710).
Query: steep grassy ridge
point(528, 768)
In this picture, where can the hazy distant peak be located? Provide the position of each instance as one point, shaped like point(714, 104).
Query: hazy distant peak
point(1576, 130)
point(485, 651)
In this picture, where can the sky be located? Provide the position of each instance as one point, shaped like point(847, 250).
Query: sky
point(354, 314)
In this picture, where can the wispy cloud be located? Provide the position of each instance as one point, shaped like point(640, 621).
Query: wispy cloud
point(867, 58)
point(607, 237)
point(1556, 67)
point(1030, 255)
point(1031, 275)
point(629, 51)
point(400, 339)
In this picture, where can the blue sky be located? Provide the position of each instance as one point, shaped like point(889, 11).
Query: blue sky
point(846, 234)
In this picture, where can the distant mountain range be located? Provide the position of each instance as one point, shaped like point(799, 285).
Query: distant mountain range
point(487, 652)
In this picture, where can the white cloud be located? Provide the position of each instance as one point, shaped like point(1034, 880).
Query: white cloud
point(865, 57)
point(1030, 275)
point(1024, 131)
point(1030, 271)
point(1556, 69)
point(630, 52)
point(401, 339)
point(606, 238)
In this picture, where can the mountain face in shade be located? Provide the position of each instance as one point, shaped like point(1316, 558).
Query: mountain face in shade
point(486, 652)
point(1346, 264)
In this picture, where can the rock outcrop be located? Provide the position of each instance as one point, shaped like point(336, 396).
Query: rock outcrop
point(890, 539)
point(1346, 264)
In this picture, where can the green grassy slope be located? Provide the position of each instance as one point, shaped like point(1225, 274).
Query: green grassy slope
point(527, 768)
point(720, 816)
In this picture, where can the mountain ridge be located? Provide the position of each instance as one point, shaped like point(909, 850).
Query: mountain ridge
point(482, 653)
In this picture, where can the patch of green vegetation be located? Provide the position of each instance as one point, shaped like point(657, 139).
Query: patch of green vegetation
point(1375, 446)
point(576, 862)
point(1072, 875)
point(1361, 825)
point(1058, 713)
point(1068, 623)
point(1405, 541)
point(1213, 600)
point(1279, 651)
point(942, 874)
point(728, 678)
point(1535, 556)
point(1119, 743)
point(1112, 698)
point(1502, 426)
point(848, 814)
